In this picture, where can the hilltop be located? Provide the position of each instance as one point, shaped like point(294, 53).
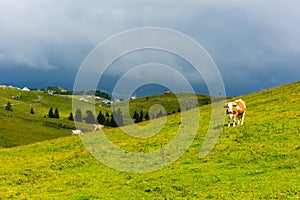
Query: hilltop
point(259, 160)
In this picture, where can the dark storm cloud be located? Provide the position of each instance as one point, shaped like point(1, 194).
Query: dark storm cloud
point(255, 44)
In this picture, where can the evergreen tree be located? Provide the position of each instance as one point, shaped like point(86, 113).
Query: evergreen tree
point(101, 118)
point(107, 114)
point(147, 116)
point(56, 114)
point(107, 121)
point(136, 117)
point(50, 113)
point(90, 119)
point(31, 111)
point(141, 116)
point(71, 118)
point(8, 107)
point(118, 118)
point(159, 114)
point(113, 122)
point(78, 116)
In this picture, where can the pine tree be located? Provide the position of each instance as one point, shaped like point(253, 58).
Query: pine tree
point(147, 116)
point(78, 116)
point(136, 117)
point(90, 119)
point(56, 114)
point(50, 113)
point(71, 118)
point(113, 122)
point(107, 121)
point(159, 114)
point(8, 107)
point(101, 118)
point(31, 111)
point(119, 118)
point(135, 114)
point(141, 116)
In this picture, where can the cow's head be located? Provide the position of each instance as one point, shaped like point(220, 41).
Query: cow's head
point(230, 106)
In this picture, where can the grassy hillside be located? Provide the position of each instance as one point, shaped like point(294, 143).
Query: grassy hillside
point(20, 127)
point(260, 160)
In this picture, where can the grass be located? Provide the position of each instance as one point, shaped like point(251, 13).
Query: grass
point(19, 127)
point(260, 160)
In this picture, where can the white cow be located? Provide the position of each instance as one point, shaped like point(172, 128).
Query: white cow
point(76, 132)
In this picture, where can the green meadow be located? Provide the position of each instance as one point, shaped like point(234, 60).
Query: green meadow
point(40, 159)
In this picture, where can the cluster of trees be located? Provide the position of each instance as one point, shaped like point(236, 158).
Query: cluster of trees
point(113, 120)
point(139, 117)
point(54, 114)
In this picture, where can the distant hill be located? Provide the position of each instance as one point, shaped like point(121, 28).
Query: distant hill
point(64, 91)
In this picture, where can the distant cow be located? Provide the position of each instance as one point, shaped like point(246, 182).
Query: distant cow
point(97, 127)
point(76, 132)
point(236, 109)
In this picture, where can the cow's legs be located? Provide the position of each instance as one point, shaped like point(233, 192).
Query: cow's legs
point(238, 119)
point(229, 119)
point(234, 120)
point(243, 116)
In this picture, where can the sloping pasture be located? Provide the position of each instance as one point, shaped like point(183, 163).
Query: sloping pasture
point(259, 160)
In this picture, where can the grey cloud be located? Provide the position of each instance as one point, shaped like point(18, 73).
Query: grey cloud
point(254, 38)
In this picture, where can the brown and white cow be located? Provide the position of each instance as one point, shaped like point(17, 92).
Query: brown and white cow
point(236, 111)
point(97, 127)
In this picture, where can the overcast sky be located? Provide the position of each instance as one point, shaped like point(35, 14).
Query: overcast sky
point(254, 43)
